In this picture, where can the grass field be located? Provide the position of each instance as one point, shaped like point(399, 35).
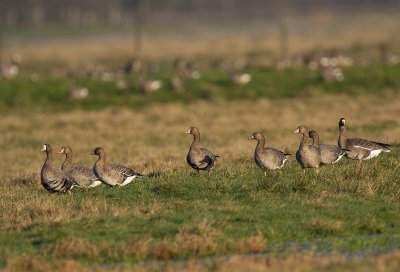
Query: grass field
point(52, 93)
point(234, 219)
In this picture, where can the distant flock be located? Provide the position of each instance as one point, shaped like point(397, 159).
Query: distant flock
point(308, 155)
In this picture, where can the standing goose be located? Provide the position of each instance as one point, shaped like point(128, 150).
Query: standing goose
point(308, 156)
point(113, 174)
point(267, 157)
point(199, 158)
point(83, 176)
point(330, 154)
point(54, 180)
point(359, 149)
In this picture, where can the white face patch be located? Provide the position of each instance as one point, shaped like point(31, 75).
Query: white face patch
point(43, 148)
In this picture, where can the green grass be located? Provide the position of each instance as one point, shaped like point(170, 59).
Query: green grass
point(350, 209)
point(213, 85)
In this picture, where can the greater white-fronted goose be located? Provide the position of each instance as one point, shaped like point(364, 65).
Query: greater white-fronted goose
point(267, 157)
point(330, 154)
point(199, 158)
point(241, 78)
point(308, 156)
point(357, 148)
point(113, 174)
point(150, 86)
point(82, 175)
point(54, 180)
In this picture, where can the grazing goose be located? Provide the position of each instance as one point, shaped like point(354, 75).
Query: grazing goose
point(113, 174)
point(83, 176)
point(308, 156)
point(267, 157)
point(330, 154)
point(54, 180)
point(199, 158)
point(241, 78)
point(357, 148)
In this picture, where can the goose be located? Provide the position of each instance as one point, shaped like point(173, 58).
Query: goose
point(78, 92)
point(54, 180)
point(177, 84)
point(359, 149)
point(199, 158)
point(150, 86)
point(113, 174)
point(308, 156)
point(330, 154)
point(241, 78)
point(83, 176)
point(267, 157)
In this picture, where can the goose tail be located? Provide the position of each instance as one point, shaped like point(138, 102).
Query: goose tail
point(385, 147)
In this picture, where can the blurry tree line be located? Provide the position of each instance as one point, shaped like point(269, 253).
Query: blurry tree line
point(120, 12)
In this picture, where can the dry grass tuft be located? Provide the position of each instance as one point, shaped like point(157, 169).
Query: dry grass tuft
point(252, 244)
point(326, 226)
point(71, 247)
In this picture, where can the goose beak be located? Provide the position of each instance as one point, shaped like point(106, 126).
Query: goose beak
point(297, 131)
point(187, 131)
point(61, 151)
point(92, 153)
point(251, 138)
point(43, 149)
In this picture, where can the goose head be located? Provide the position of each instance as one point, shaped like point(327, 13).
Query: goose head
point(301, 129)
point(65, 150)
point(46, 148)
point(98, 151)
point(342, 122)
point(193, 131)
point(313, 134)
point(257, 136)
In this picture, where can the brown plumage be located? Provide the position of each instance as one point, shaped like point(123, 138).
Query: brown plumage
point(54, 180)
point(199, 158)
point(267, 157)
point(357, 148)
point(308, 156)
point(82, 175)
point(113, 174)
point(330, 154)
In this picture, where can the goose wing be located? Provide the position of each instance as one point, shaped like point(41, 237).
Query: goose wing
point(127, 172)
point(367, 145)
point(84, 176)
point(209, 159)
point(57, 181)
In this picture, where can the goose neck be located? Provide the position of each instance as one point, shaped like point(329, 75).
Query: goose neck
point(304, 139)
point(315, 140)
point(68, 161)
point(49, 158)
point(342, 137)
point(196, 140)
point(260, 144)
